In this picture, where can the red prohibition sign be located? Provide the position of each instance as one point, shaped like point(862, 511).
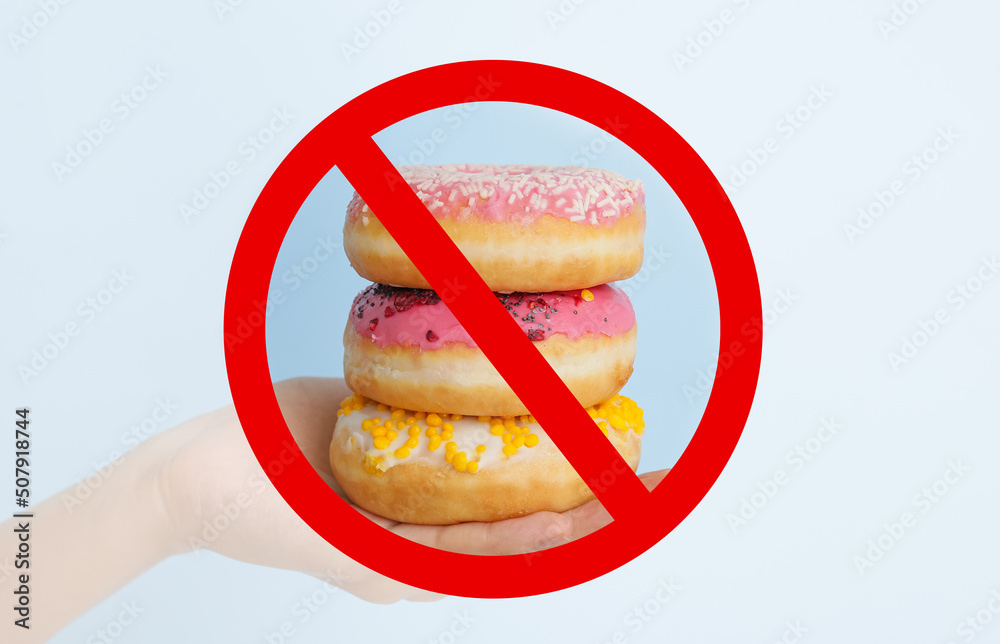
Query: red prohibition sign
point(640, 517)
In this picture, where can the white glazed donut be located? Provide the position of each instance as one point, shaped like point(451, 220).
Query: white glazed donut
point(523, 227)
point(405, 348)
point(442, 469)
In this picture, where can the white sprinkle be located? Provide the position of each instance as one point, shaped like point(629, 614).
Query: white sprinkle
point(608, 213)
point(512, 198)
point(364, 220)
point(593, 217)
point(577, 217)
point(364, 207)
point(560, 201)
point(454, 195)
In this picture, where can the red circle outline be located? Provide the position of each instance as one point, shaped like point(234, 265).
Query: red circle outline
point(729, 401)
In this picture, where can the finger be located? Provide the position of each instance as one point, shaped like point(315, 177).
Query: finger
point(512, 536)
point(592, 516)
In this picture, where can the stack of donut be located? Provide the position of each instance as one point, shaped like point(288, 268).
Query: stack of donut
point(432, 434)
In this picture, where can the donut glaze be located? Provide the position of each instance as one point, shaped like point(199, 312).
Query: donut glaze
point(415, 317)
point(519, 193)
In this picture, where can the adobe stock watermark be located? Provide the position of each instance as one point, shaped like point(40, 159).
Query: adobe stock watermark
point(712, 30)
point(921, 503)
point(794, 630)
point(899, 16)
point(247, 150)
point(59, 341)
point(156, 420)
point(795, 459)
point(116, 627)
point(654, 262)
point(562, 12)
point(589, 152)
point(223, 8)
point(977, 623)
point(913, 170)
point(752, 332)
point(454, 116)
point(365, 33)
point(785, 128)
point(459, 626)
point(927, 329)
point(295, 276)
point(32, 24)
point(227, 514)
point(121, 108)
point(304, 609)
point(639, 616)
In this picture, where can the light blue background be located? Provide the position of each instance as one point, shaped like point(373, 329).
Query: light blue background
point(675, 300)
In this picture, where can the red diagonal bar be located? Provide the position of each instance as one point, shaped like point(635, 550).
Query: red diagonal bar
point(520, 364)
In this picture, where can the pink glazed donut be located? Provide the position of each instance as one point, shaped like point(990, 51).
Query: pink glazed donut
point(530, 228)
point(403, 347)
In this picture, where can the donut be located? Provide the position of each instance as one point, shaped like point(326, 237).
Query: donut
point(405, 348)
point(531, 228)
point(440, 469)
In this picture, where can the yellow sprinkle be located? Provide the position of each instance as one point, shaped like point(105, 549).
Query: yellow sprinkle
point(531, 419)
point(509, 450)
point(435, 443)
point(497, 430)
point(379, 431)
point(591, 412)
point(448, 427)
point(366, 424)
point(518, 441)
point(509, 422)
point(530, 440)
point(507, 437)
point(456, 416)
point(446, 435)
point(389, 424)
point(391, 434)
point(434, 420)
point(340, 412)
point(430, 431)
point(413, 431)
point(472, 467)
point(412, 442)
point(398, 414)
point(604, 427)
point(484, 419)
point(382, 407)
point(618, 422)
point(525, 429)
point(480, 448)
point(460, 461)
point(400, 424)
point(402, 452)
point(451, 446)
point(587, 295)
point(381, 442)
point(410, 420)
point(420, 415)
point(448, 456)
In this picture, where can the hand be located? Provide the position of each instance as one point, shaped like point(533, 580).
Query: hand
point(218, 497)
